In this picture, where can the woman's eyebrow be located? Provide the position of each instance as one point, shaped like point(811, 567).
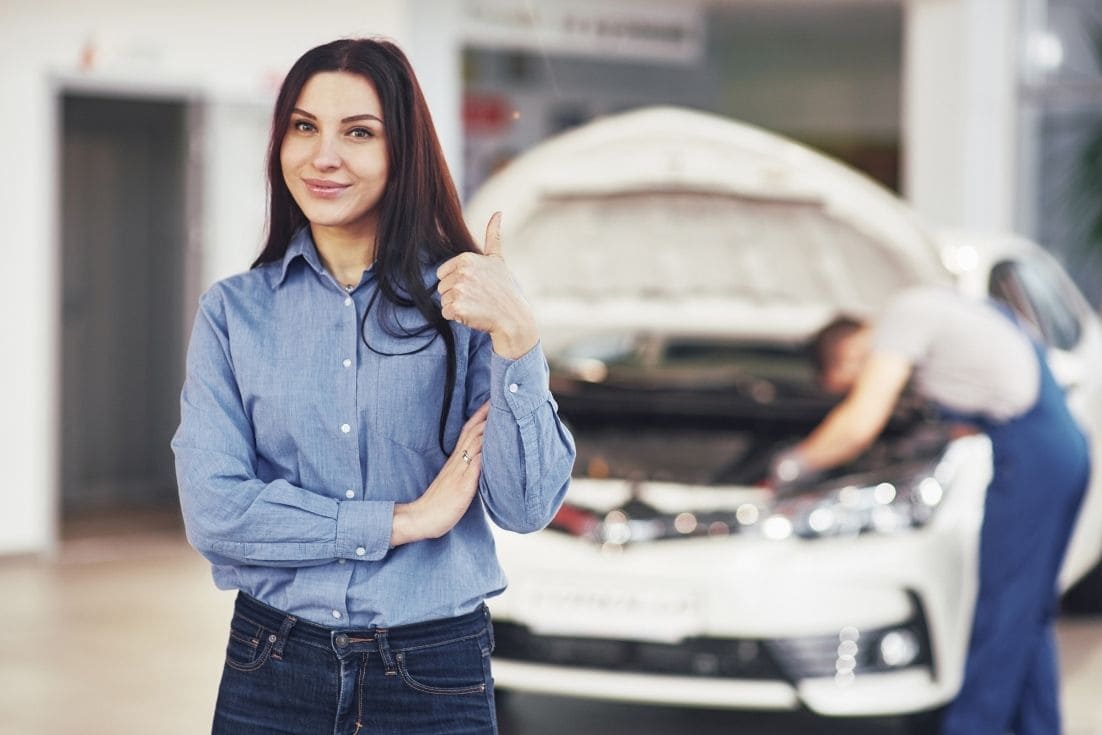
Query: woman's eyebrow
point(365, 116)
point(351, 118)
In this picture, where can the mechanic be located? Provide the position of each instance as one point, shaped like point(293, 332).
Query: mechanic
point(976, 363)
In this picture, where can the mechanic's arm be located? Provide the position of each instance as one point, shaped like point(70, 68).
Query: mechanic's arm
point(855, 423)
point(230, 515)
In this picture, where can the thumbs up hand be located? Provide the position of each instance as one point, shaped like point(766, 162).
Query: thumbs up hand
point(478, 291)
point(492, 245)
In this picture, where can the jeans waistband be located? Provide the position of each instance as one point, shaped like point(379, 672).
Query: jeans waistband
point(398, 637)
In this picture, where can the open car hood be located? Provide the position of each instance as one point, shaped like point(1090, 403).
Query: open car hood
point(666, 216)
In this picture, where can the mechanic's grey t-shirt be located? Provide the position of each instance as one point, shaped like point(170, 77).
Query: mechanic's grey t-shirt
point(967, 356)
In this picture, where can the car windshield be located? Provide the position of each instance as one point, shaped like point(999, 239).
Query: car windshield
point(650, 244)
point(704, 410)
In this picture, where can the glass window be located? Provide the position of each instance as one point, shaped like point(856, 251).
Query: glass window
point(608, 348)
point(1041, 294)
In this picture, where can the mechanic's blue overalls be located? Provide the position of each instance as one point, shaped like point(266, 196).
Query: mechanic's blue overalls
point(1041, 470)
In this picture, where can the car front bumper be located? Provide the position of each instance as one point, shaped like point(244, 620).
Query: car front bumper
point(798, 601)
point(890, 693)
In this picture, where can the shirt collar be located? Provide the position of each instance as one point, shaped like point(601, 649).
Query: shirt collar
point(301, 246)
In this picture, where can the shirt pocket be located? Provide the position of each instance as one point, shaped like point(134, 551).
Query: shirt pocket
point(408, 393)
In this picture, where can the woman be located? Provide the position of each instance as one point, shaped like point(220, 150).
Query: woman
point(346, 400)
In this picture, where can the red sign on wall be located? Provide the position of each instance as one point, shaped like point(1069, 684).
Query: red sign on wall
point(485, 113)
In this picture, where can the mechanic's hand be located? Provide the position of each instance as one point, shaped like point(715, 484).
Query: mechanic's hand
point(478, 291)
point(787, 468)
point(450, 494)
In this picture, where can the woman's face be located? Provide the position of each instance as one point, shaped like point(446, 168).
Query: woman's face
point(334, 155)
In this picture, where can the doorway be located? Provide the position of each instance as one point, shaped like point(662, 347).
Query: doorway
point(124, 204)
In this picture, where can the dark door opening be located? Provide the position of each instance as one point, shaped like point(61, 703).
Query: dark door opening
point(123, 233)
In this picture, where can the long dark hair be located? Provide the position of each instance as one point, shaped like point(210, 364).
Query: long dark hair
point(420, 217)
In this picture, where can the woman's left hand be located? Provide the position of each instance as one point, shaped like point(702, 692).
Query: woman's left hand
point(478, 291)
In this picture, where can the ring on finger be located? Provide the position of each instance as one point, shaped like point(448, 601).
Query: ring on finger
point(467, 457)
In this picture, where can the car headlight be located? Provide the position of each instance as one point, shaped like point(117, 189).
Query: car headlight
point(889, 500)
point(890, 503)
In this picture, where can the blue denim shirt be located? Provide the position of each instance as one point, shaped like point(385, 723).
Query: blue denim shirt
point(296, 441)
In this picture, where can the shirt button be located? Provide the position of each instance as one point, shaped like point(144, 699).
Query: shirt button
point(347, 362)
point(348, 301)
point(337, 614)
point(360, 551)
point(513, 387)
point(345, 428)
point(349, 494)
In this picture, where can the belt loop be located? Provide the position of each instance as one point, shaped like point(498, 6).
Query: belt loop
point(281, 639)
point(384, 652)
point(489, 626)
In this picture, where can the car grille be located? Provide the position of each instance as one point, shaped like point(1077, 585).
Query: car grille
point(844, 654)
point(703, 657)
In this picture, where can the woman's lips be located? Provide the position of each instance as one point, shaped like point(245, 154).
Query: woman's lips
point(325, 189)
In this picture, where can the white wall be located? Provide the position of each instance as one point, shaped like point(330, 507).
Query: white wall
point(434, 47)
point(230, 55)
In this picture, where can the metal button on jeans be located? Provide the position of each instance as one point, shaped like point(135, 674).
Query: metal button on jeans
point(342, 640)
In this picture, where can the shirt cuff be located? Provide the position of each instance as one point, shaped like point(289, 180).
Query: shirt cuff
point(363, 529)
point(522, 385)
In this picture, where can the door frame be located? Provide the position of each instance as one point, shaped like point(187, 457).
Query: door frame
point(193, 99)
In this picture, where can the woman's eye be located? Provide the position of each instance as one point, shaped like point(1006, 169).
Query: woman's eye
point(303, 126)
point(361, 133)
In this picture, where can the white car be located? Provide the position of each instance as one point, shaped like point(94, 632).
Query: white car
point(677, 262)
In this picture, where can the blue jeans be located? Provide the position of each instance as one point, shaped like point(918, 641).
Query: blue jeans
point(284, 676)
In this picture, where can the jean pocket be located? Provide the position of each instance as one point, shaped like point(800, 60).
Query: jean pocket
point(250, 646)
point(447, 669)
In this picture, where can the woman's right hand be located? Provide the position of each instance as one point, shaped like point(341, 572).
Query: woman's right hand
point(450, 494)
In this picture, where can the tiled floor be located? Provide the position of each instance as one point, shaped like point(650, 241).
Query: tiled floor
point(125, 637)
point(1081, 666)
point(114, 639)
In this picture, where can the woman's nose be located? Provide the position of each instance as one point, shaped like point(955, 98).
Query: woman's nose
point(327, 156)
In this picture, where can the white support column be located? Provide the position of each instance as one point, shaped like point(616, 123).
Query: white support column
point(959, 111)
point(434, 46)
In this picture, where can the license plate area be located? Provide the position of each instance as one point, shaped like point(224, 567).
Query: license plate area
point(646, 610)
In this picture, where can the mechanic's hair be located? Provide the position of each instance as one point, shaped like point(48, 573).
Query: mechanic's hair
point(821, 346)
